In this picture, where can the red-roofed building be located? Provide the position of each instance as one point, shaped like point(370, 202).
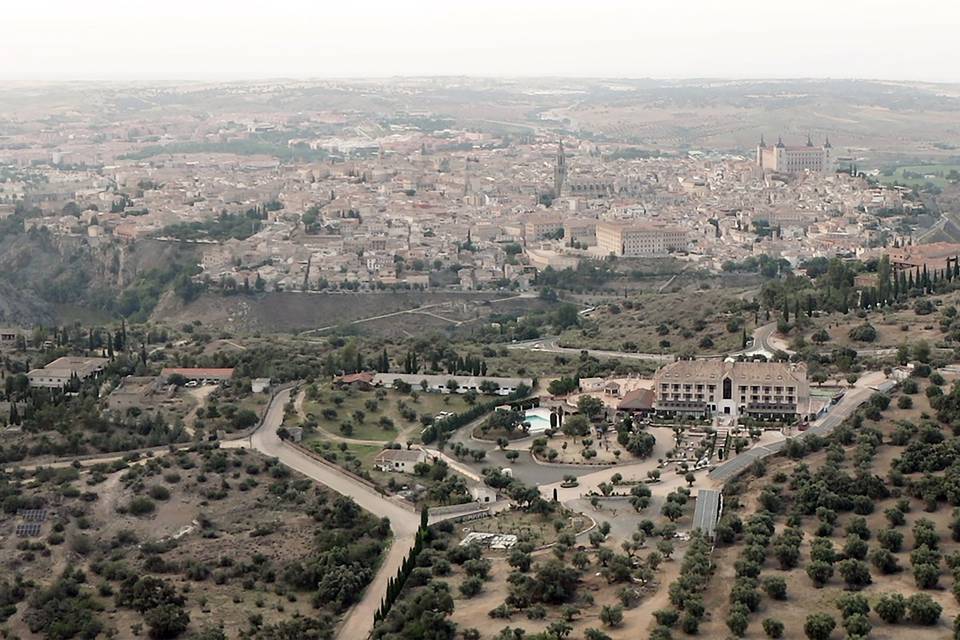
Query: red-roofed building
point(362, 380)
point(637, 401)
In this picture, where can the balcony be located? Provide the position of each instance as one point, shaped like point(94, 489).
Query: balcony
point(680, 405)
point(772, 407)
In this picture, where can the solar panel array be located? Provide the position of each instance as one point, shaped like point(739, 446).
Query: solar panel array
point(33, 515)
point(28, 530)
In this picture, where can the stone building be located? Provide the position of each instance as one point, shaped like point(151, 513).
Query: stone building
point(786, 159)
point(707, 387)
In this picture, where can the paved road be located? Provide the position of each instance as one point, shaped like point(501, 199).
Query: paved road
point(404, 521)
point(359, 621)
point(762, 342)
point(823, 426)
point(550, 345)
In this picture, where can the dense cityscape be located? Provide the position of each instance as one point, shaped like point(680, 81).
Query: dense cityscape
point(452, 357)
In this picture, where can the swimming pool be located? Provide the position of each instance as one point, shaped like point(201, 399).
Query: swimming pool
point(539, 420)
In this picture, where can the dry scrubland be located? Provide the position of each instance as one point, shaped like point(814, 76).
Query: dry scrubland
point(700, 322)
point(919, 319)
point(225, 538)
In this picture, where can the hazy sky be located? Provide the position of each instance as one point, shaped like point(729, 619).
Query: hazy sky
point(96, 39)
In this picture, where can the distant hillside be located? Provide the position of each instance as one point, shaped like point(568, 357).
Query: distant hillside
point(23, 308)
point(947, 229)
point(41, 273)
point(282, 312)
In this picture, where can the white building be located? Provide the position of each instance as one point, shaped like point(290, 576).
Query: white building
point(58, 373)
point(442, 383)
point(399, 460)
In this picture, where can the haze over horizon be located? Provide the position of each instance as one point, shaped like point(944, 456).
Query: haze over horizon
point(743, 39)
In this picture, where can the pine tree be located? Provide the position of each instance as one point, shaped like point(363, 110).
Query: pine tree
point(786, 310)
point(384, 361)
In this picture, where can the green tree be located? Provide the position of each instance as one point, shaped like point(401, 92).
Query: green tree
point(819, 626)
point(891, 607)
point(773, 628)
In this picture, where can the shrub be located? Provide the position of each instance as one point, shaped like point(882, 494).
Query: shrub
point(159, 492)
point(471, 587)
point(819, 626)
point(922, 609)
point(141, 506)
point(666, 617)
point(773, 628)
point(738, 620)
point(775, 587)
point(851, 604)
point(863, 333)
point(891, 607)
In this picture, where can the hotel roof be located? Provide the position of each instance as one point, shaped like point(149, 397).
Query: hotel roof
point(717, 369)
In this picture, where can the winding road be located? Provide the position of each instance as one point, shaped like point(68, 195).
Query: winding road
point(403, 521)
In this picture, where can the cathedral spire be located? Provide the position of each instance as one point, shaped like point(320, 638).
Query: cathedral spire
point(559, 170)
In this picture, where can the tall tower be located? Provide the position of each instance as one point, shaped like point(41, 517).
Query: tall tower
point(559, 171)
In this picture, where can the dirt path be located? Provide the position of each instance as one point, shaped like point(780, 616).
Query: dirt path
point(641, 617)
point(199, 395)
